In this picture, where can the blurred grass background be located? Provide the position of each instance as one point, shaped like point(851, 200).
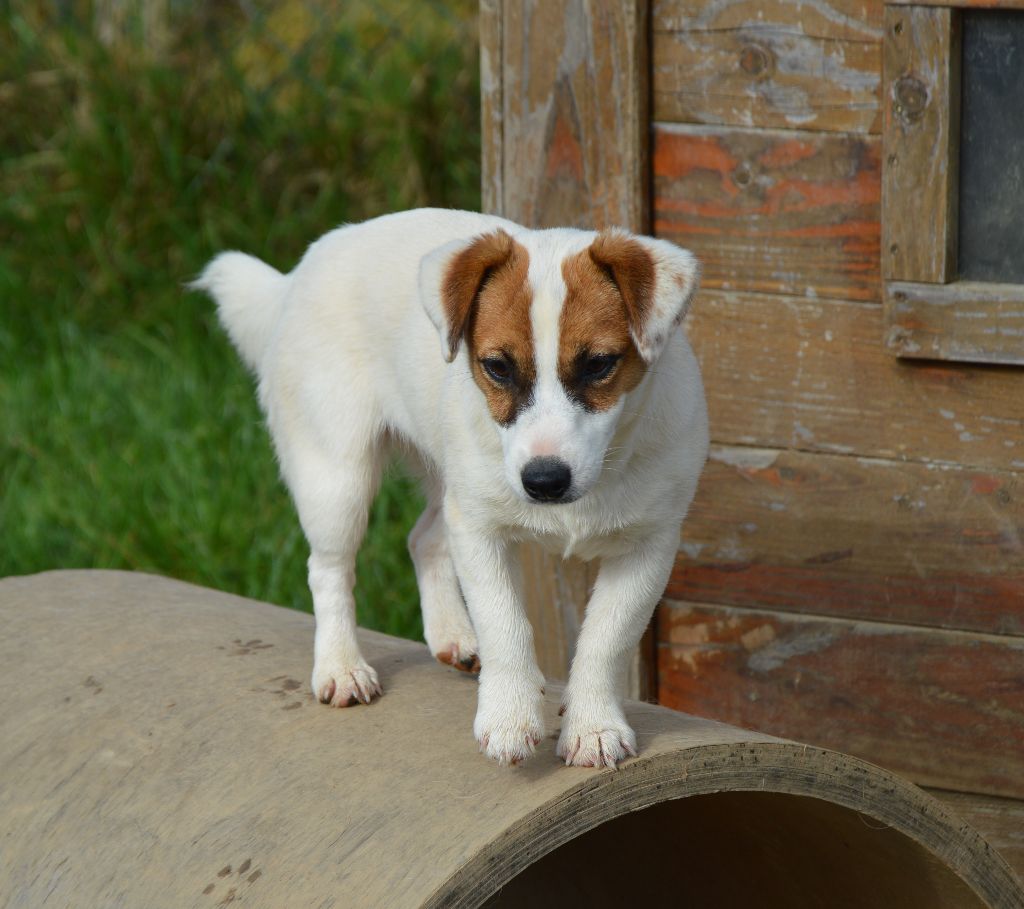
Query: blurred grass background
point(138, 138)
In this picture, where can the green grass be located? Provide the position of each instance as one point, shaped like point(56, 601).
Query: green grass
point(129, 433)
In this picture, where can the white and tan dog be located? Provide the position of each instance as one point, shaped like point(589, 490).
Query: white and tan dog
point(563, 405)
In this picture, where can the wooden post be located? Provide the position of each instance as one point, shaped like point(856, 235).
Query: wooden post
point(565, 107)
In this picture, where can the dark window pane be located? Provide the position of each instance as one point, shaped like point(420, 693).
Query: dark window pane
point(992, 147)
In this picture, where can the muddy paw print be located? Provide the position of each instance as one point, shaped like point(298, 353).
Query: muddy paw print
point(232, 883)
point(238, 647)
point(285, 689)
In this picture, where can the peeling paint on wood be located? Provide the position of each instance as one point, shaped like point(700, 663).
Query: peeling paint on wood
point(815, 376)
point(966, 320)
point(939, 546)
point(814, 65)
point(778, 211)
point(944, 708)
point(574, 113)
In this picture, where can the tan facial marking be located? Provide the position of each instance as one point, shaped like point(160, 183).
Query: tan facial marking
point(609, 286)
point(468, 271)
point(490, 302)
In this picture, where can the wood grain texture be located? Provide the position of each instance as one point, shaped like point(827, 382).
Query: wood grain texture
point(772, 210)
point(813, 65)
point(944, 708)
point(1000, 821)
point(492, 133)
point(921, 139)
point(574, 87)
point(193, 768)
point(814, 375)
point(565, 121)
point(967, 320)
point(961, 4)
point(912, 543)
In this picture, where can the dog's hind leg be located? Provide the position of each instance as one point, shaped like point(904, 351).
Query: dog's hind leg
point(333, 496)
point(446, 625)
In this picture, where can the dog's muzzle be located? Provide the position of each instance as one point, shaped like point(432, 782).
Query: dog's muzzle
point(546, 479)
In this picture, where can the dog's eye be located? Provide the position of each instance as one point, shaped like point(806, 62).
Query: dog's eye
point(598, 367)
point(498, 368)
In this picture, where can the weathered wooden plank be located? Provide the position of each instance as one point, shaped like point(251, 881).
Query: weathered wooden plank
point(772, 210)
point(961, 4)
point(1000, 821)
point(922, 544)
point(782, 372)
point(565, 121)
point(921, 139)
point(574, 113)
point(491, 105)
point(966, 320)
point(944, 708)
point(813, 65)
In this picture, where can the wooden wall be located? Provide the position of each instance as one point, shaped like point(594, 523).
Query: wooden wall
point(852, 571)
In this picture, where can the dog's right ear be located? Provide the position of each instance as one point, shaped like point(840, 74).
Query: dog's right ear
point(451, 279)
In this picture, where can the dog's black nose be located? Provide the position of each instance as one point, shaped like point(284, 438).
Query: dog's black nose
point(546, 479)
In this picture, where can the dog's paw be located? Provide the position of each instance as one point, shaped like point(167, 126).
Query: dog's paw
point(345, 686)
point(595, 744)
point(461, 654)
point(510, 741)
point(509, 727)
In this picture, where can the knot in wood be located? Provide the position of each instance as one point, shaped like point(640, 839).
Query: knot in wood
point(755, 60)
point(910, 95)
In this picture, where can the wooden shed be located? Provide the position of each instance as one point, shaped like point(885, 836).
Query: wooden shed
point(852, 571)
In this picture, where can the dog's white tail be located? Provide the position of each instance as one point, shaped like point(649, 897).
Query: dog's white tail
point(249, 294)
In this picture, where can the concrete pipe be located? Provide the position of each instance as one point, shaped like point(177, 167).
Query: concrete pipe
point(159, 746)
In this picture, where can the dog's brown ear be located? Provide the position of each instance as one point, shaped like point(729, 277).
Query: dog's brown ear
point(451, 279)
point(656, 280)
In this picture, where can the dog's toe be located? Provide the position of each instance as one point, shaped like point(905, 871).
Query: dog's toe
point(346, 687)
point(459, 657)
point(596, 747)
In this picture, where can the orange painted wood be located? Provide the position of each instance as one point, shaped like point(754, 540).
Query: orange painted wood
point(772, 210)
point(944, 708)
point(904, 542)
point(815, 375)
point(566, 87)
point(812, 65)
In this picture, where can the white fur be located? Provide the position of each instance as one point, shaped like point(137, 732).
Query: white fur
point(346, 351)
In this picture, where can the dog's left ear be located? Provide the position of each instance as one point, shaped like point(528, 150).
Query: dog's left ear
point(451, 279)
point(656, 280)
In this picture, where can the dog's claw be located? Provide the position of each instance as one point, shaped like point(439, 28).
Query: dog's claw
point(605, 747)
point(346, 687)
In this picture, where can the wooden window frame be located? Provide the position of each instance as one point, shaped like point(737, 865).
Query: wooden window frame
point(929, 313)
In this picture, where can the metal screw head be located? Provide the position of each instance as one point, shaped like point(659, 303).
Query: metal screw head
point(755, 60)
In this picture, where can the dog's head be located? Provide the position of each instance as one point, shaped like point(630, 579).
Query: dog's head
point(559, 326)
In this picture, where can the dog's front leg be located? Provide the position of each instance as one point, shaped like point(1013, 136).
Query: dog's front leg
point(594, 729)
point(509, 720)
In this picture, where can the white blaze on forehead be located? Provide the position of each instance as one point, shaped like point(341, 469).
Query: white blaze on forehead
point(548, 287)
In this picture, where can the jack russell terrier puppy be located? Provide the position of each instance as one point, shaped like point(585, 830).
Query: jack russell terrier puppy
point(563, 405)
